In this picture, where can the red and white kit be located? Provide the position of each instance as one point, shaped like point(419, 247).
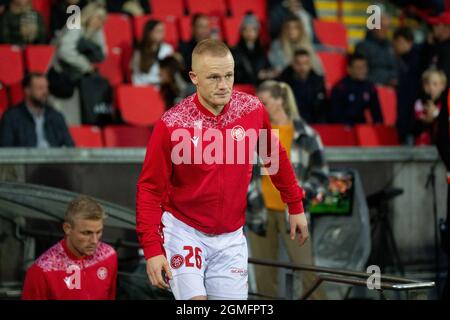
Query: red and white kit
point(209, 197)
point(59, 275)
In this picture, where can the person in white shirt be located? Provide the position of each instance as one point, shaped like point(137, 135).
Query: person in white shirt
point(152, 49)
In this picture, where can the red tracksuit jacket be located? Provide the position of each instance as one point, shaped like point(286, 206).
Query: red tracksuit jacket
point(208, 197)
point(59, 275)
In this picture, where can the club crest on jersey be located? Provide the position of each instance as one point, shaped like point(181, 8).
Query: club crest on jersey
point(102, 273)
point(177, 261)
point(238, 133)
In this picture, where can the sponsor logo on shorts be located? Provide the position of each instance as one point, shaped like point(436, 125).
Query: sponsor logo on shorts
point(102, 273)
point(177, 261)
point(242, 272)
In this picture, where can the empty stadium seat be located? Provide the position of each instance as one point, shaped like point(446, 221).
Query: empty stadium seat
point(247, 88)
point(209, 7)
point(388, 102)
point(38, 58)
point(141, 106)
point(3, 99)
point(125, 136)
point(16, 94)
point(11, 65)
point(334, 65)
point(43, 7)
point(330, 33)
point(376, 135)
point(239, 8)
point(110, 68)
point(170, 27)
point(336, 135)
point(231, 30)
point(167, 8)
point(118, 31)
point(87, 136)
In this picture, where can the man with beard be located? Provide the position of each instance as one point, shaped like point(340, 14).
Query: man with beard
point(33, 123)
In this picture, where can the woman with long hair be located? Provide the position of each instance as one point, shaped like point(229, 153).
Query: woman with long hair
point(152, 49)
point(292, 38)
point(279, 102)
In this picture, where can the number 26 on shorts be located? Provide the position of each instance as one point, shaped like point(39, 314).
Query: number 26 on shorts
point(193, 252)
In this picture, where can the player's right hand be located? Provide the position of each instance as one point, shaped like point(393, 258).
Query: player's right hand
point(155, 267)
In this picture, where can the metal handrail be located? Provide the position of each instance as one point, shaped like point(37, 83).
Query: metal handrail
point(345, 277)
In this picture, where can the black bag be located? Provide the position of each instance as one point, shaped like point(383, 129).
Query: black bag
point(96, 100)
point(60, 84)
point(92, 51)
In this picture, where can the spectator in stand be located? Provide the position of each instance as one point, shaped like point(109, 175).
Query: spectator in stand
point(351, 96)
point(73, 63)
point(152, 49)
point(252, 65)
point(34, 123)
point(308, 87)
point(429, 105)
point(173, 87)
point(440, 49)
point(292, 38)
point(409, 63)
point(286, 8)
point(379, 53)
point(59, 15)
point(201, 30)
point(130, 7)
point(21, 25)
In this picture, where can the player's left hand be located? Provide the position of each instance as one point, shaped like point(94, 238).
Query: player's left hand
point(298, 221)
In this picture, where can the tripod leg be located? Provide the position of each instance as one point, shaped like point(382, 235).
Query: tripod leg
point(393, 248)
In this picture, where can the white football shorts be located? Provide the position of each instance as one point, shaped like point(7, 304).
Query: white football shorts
point(205, 265)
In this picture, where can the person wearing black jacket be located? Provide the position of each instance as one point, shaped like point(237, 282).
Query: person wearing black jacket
point(33, 123)
point(440, 50)
point(308, 88)
point(252, 65)
point(353, 94)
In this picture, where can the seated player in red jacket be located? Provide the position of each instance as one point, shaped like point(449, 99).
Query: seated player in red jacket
point(79, 267)
point(192, 191)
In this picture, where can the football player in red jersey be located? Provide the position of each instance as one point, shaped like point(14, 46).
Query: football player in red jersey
point(79, 267)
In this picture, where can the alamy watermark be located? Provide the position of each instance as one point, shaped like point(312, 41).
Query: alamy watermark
point(374, 280)
point(74, 21)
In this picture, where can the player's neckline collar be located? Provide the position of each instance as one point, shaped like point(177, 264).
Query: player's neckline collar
point(206, 111)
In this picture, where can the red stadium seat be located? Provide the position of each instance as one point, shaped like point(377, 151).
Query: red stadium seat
point(43, 7)
point(38, 58)
point(231, 30)
point(11, 65)
point(124, 136)
point(376, 135)
point(334, 65)
point(247, 88)
point(16, 93)
point(170, 26)
point(330, 33)
point(141, 106)
point(208, 7)
point(110, 68)
point(388, 102)
point(167, 7)
point(3, 99)
point(118, 31)
point(240, 7)
point(334, 135)
point(87, 136)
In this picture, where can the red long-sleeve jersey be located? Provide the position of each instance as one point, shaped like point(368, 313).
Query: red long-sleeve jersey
point(59, 275)
point(208, 196)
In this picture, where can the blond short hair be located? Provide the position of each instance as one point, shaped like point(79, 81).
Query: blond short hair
point(213, 47)
point(426, 75)
point(91, 10)
point(84, 207)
